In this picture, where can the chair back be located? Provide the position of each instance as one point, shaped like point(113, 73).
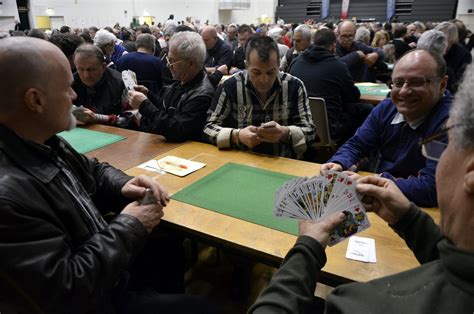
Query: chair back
point(320, 119)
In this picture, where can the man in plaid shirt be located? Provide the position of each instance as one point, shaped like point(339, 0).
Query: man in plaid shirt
point(261, 109)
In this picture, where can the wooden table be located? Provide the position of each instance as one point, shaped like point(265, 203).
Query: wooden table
point(136, 148)
point(265, 244)
point(372, 98)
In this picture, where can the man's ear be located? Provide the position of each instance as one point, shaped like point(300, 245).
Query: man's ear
point(469, 177)
point(34, 100)
point(443, 84)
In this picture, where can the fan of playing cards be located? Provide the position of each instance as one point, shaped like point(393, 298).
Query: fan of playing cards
point(321, 196)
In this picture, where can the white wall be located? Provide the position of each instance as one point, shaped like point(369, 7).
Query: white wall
point(85, 13)
point(8, 14)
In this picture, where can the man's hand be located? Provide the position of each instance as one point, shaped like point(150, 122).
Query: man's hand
point(141, 89)
point(371, 58)
point(330, 166)
point(383, 197)
point(353, 175)
point(223, 69)
point(149, 215)
point(272, 132)
point(248, 136)
point(362, 56)
point(84, 115)
point(321, 230)
point(135, 99)
point(136, 189)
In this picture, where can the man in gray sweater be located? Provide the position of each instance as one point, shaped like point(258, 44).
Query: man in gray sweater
point(444, 283)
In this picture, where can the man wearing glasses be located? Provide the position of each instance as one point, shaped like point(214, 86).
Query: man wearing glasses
point(179, 112)
point(419, 107)
point(444, 283)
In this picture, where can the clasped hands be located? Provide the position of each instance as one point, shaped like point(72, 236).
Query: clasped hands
point(270, 132)
point(151, 214)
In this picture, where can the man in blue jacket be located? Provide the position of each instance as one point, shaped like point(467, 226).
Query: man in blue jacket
point(419, 106)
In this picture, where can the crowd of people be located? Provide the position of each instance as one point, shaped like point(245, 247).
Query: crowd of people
point(242, 87)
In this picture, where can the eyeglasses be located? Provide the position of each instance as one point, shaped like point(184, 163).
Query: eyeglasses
point(412, 83)
point(170, 64)
point(434, 145)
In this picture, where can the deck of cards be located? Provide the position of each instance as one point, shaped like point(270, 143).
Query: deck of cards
point(321, 196)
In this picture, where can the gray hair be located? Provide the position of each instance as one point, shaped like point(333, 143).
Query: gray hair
point(305, 31)
point(433, 40)
point(462, 111)
point(362, 35)
point(146, 41)
point(90, 51)
point(450, 30)
point(104, 37)
point(190, 46)
point(420, 27)
point(275, 33)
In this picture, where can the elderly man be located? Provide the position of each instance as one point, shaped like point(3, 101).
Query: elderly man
point(218, 51)
point(99, 89)
point(261, 109)
point(419, 107)
point(58, 253)
point(232, 36)
point(179, 112)
point(301, 41)
point(443, 283)
point(143, 62)
point(359, 58)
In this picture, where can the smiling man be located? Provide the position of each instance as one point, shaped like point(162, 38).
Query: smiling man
point(419, 106)
point(261, 109)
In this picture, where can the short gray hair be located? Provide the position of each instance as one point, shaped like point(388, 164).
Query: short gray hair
point(362, 34)
point(462, 111)
point(190, 46)
point(305, 31)
point(450, 30)
point(146, 41)
point(104, 37)
point(90, 51)
point(275, 33)
point(433, 40)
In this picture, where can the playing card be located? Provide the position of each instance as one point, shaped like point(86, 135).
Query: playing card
point(318, 197)
point(129, 79)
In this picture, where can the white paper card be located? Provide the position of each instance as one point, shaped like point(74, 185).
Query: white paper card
point(361, 249)
point(171, 164)
point(129, 79)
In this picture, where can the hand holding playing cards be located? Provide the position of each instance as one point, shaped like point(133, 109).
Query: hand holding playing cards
point(84, 115)
point(330, 166)
point(383, 197)
point(141, 89)
point(248, 136)
point(272, 132)
point(135, 99)
point(136, 189)
point(321, 230)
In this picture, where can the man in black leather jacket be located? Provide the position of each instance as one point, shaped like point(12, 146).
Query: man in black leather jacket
point(180, 110)
point(58, 255)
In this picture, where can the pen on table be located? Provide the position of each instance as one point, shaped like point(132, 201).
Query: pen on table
point(175, 164)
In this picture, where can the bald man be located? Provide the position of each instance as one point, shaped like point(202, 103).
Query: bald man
point(58, 253)
point(218, 51)
point(360, 58)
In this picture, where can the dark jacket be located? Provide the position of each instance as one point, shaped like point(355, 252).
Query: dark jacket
point(50, 261)
point(401, 47)
point(457, 59)
point(147, 67)
point(218, 55)
point(358, 69)
point(444, 283)
point(105, 97)
point(326, 77)
point(179, 112)
point(400, 155)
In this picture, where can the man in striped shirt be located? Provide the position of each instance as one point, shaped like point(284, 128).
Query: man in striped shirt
point(261, 109)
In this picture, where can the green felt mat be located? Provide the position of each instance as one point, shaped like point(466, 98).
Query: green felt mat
point(380, 90)
point(84, 140)
point(242, 192)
